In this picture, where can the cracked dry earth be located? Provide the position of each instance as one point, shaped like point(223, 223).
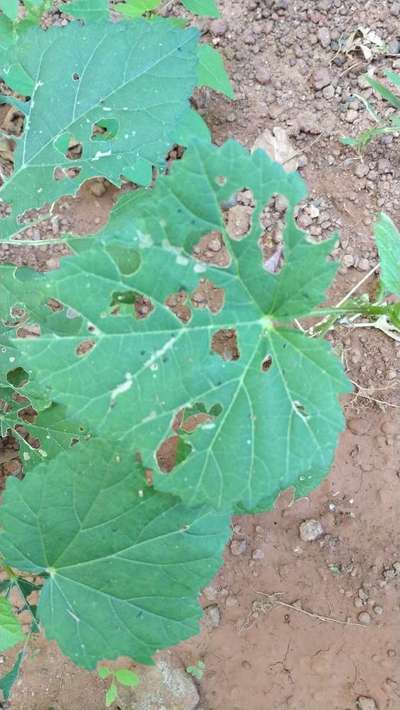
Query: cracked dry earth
point(305, 614)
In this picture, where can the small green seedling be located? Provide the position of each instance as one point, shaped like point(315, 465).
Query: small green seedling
point(382, 125)
point(122, 676)
point(197, 671)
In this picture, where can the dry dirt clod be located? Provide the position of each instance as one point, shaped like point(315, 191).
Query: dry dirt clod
point(238, 547)
point(212, 616)
point(310, 530)
point(364, 703)
point(321, 78)
point(164, 685)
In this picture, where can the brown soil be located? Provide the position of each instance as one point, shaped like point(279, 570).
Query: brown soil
point(293, 624)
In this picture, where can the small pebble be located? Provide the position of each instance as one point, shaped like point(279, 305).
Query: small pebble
point(364, 618)
point(258, 555)
point(324, 37)
point(238, 547)
point(310, 530)
point(365, 703)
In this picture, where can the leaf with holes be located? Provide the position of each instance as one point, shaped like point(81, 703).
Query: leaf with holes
point(182, 347)
point(125, 564)
point(103, 123)
point(387, 239)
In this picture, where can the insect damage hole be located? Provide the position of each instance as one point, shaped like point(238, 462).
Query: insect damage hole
point(273, 220)
point(105, 130)
point(206, 295)
point(266, 363)
point(238, 214)
point(224, 343)
point(300, 409)
point(212, 250)
point(177, 303)
point(84, 347)
point(176, 448)
point(172, 452)
point(131, 303)
point(61, 173)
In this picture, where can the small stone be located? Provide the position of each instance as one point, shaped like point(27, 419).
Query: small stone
point(364, 618)
point(384, 166)
point(258, 555)
point(324, 37)
point(351, 116)
point(218, 27)
point(358, 603)
point(263, 75)
point(378, 610)
point(361, 170)
point(328, 92)
point(348, 260)
point(310, 530)
point(238, 547)
point(321, 78)
point(363, 265)
point(212, 616)
point(365, 703)
point(239, 219)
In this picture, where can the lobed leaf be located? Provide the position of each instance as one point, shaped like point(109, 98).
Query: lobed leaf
point(145, 102)
point(125, 564)
point(268, 400)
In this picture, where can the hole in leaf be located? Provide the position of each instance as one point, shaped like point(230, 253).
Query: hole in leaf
point(105, 130)
point(69, 146)
point(85, 347)
point(172, 452)
point(65, 173)
point(271, 243)
point(176, 303)
point(212, 250)
point(29, 331)
point(196, 415)
point(55, 305)
point(75, 76)
point(75, 149)
point(224, 343)
point(11, 121)
point(238, 212)
point(131, 303)
point(206, 295)
point(300, 409)
point(18, 377)
point(266, 363)
point(221, 180)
